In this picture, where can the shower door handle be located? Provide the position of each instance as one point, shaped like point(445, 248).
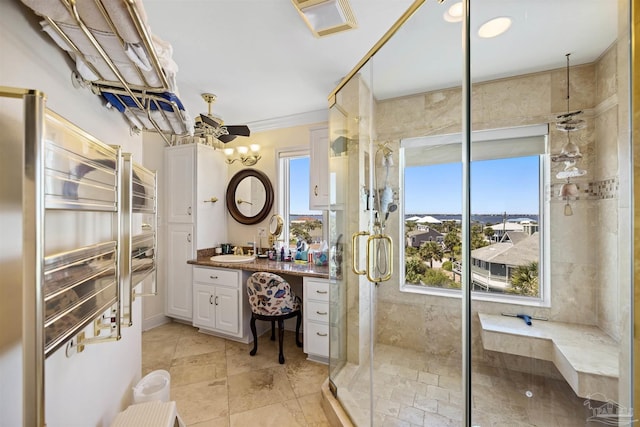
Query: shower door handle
point(354, 252)
point(371, 266)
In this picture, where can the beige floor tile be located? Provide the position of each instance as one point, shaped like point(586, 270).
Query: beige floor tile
point(203, 401)
point(312, 410)
point(306, 377)
point(281, 414)
point(201, 367)
point(217, 422)
point(193, 345)
point(258, 388)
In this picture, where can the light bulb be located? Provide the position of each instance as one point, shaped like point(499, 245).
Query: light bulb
point(254, 148)
point(228, 151)
point(494, 27)
point(242, 150)
point(454, 14)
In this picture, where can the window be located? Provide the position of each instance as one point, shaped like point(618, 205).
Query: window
point(508, 235)
point(301, 224)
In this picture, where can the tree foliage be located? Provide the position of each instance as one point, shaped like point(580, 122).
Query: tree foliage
point(302, 230)
point(524, 280)
point(429, 251)
point(414, 269)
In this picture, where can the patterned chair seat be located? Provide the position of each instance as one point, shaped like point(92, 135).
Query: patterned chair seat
point(271, 299)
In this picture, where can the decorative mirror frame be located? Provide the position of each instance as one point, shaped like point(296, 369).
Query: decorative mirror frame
point(232, 205)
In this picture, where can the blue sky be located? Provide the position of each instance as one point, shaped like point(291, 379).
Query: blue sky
point(505, 185)
point(299, 172)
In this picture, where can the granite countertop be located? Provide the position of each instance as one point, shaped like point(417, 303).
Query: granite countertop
point(264, 264)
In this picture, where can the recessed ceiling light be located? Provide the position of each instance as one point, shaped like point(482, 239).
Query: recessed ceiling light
point(494, 27)
point(454, 13)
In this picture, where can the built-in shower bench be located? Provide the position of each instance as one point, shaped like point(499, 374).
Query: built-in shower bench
point(585, 355)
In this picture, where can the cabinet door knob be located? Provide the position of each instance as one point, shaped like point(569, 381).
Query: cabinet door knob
point(321, 292)
point(210, 296)
point(321, 335)
point(189, 210)
point(315, 190)
point(216, 300)
point(213, 277)
point(189, 237)
point(321, 313)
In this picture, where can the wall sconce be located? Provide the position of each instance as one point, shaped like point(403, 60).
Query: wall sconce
point(244, 157)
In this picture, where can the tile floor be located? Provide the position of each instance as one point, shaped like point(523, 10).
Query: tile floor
point(413, 389)
point(215, 382)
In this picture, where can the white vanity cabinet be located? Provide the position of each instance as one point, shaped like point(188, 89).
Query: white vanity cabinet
point(220, 302)
point(195, 180)
point(319, 169)
point(315, 312)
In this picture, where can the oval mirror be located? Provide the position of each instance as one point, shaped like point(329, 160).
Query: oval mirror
point(275, 225)
point(249, 196)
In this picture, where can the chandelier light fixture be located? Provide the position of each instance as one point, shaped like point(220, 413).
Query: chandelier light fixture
point(248, 156)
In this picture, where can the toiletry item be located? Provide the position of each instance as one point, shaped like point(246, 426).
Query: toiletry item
point(282, 253)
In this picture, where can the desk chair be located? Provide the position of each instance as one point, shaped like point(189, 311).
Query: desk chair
point(271, 299)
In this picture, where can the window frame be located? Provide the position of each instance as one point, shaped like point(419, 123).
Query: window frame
point(544, 211)
point(283, 205)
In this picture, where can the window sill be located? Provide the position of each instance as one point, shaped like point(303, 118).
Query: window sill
point(477, 296)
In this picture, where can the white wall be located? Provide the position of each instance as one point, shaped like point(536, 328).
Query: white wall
point(87, 389)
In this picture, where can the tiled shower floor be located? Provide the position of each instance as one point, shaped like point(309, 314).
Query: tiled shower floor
point(414, 389)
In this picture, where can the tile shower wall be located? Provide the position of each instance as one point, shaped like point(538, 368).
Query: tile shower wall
point(585, 253)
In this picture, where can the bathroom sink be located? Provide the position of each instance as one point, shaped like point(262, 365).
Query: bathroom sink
point(232, 258)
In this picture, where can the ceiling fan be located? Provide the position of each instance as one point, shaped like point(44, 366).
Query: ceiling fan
point(208, 124)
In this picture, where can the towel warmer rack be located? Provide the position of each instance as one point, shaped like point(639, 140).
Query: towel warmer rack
point(142, 89)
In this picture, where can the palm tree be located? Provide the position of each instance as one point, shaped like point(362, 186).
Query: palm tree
point(524, 280)
point(429, 251)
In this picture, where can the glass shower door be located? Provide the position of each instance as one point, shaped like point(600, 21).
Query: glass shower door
point(558, 251)
point(395, 355)
point(510, 283)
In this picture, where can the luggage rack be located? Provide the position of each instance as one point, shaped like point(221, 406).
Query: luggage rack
point(119, 59)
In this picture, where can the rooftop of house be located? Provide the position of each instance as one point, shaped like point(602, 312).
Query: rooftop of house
point(519, 253)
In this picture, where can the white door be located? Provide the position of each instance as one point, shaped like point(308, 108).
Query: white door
point(179, 273)
point(227, 310)
point(179, 183)
point(203, 306)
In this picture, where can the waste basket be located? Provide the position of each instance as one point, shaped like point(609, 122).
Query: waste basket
point(154, 386)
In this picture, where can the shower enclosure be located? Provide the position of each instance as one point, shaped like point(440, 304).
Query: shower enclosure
point(480, 220)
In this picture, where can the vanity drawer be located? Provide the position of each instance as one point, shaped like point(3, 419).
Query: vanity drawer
point(317, 311)
point(317, 290)
point(216, 276)
point(317, 339)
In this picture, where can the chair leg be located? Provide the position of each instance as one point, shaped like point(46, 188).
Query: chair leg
point(273, 330)
point(255, 336)
point(280, 340)
point(298, 322)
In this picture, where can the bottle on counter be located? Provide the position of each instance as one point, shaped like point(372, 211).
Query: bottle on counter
point(282, 253)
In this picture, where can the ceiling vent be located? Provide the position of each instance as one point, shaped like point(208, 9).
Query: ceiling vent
point(326, 17)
